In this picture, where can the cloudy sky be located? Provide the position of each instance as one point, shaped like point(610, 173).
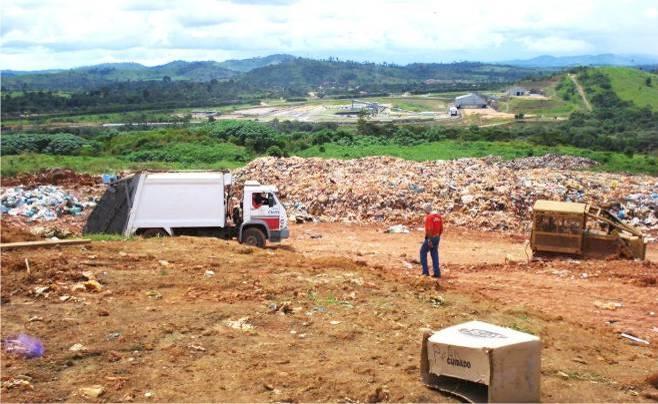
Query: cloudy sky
point(67, 33)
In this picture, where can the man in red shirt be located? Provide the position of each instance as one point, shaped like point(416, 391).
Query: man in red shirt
point(433, 230)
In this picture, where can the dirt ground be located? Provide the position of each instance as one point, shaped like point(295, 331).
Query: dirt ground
point(333, 314)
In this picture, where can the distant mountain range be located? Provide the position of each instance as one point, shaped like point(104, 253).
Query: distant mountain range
point(274, 71)
point(283, 71)
point(606, 59)
point(87, 77)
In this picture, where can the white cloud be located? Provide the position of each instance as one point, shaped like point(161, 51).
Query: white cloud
point(555, 44)
point(65, 33)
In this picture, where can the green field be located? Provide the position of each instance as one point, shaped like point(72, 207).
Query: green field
point(631, 85)
point(443, 150)
point(554, 106)
point(451, 149)
point(31, 163)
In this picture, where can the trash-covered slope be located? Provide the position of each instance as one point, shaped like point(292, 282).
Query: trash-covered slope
point(487, 194)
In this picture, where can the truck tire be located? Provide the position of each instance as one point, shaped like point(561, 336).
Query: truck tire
point(253, 236)
point(150, 233)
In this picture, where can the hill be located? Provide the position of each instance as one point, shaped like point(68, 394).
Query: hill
point(634, 85)
point(309, 74)
point(91, 77)
point(606, 59)
point(277, 72)
point(245, 65)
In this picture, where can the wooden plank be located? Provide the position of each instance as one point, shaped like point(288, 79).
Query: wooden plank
point(45, 243)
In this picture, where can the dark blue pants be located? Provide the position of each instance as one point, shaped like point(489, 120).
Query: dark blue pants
point(434, 252)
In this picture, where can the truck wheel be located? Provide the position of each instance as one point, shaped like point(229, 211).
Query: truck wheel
point(150, 233)
point(254, 237)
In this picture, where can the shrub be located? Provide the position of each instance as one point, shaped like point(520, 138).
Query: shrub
point(59, 143)
point(274, 151)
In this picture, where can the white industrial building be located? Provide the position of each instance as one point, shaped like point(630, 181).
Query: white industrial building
point(517, 91)
point(470, 101)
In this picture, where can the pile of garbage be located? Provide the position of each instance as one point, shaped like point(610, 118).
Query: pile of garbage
point(555, 161)
point(485, 194)
point(42, 203)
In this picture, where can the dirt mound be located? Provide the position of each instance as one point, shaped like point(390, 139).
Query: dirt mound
point(53, 176)
point(13, 234)
point(485, 194)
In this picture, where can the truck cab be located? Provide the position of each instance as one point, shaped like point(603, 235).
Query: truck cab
point(263, 215)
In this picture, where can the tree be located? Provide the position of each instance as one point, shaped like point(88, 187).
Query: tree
point(274, 151)
point(648, 81)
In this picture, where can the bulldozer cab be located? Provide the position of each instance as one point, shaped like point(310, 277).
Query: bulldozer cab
point(583, 230)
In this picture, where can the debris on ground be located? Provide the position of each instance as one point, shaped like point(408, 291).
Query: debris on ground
point(24, 345)
point(239, 324)
point(43, 203)
point(607, 305)
point(92, 391)
point(634, 338)
point(482, 193)
point(398, 228)
point(77, 347)
point(20, 384)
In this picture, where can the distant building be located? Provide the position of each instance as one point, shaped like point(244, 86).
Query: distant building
point(371, 108)
point(517, 91)
point(470, 101)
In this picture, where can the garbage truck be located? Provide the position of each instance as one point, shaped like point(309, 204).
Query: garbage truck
point(584, 230)
point(189, 203)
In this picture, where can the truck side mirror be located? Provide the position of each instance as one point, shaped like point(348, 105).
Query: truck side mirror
point(270, 200)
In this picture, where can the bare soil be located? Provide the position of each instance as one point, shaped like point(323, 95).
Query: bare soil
point(334, 314)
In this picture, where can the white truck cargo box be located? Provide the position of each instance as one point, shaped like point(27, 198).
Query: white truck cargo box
point(483, 362)
point(179, 200)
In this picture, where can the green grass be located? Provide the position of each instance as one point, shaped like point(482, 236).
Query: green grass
point(31, 163)
point(542, 107)
point(452, 149)
point(554, 106)
point(630, 85)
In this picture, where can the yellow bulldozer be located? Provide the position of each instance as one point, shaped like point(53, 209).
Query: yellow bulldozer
point(583, 230)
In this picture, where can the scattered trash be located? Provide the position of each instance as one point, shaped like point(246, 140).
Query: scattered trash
point(209, 274)
point(41, 291)
point(44, 202)
point(90, 286)
point(149, 394)
point(334, 322)
point(239, 324)
point(437, 301)
point(380, 394)
point(154, 294)
point(635, 339)
point(164, 263)
point(282, 308)
point(17, 384)
point(112, 335)
point(77, 348)
point(92, 391)
point(608, 305)
point(24, 345)
point(398, 228)
point(562, 374)
point(34, 318)
point(197, 348)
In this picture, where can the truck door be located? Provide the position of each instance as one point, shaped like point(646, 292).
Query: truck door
point(264, 207)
